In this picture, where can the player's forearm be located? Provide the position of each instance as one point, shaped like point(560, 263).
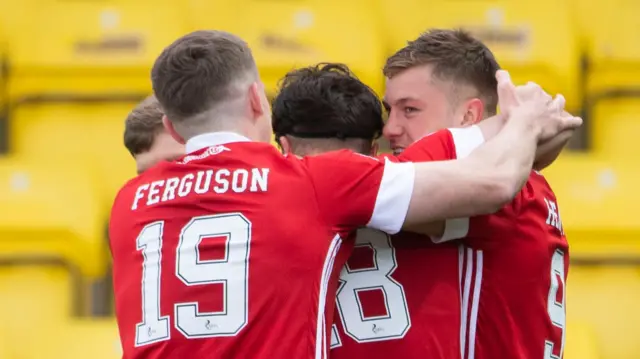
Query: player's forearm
point(509, 156)
point(549, 151)
point(450, 189)
point(492, 126)
point(479, 184)
point(545, 155)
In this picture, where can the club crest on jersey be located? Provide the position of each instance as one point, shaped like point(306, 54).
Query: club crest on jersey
point(213, 150)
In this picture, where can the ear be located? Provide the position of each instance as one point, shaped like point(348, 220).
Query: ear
point(171, 130)
point(474, 112)
point(285, 145)
point(374, 148)
point(256, 100)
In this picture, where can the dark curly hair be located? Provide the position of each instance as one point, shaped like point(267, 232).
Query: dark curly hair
point(326, 101)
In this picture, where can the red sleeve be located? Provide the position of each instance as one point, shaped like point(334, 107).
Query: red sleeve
point(355, 190)
point(449, 144)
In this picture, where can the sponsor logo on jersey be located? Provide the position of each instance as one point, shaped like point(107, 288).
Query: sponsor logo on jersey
point(213, 150)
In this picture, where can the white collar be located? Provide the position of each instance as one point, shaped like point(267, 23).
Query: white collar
point(205, 140)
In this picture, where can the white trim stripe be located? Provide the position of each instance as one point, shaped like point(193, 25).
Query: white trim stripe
point(461, 267)
point(454, 228)
point(466, 140)
point(473, 322)
point(394, 195)
point(471, 270)
point(327, 269)
point(324, 317)
point(466, 285)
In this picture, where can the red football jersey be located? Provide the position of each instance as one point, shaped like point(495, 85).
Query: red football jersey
point(399, 296)
point(513, 273)
point(231, 251)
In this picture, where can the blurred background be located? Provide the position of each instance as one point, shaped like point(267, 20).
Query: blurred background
point(70, 71)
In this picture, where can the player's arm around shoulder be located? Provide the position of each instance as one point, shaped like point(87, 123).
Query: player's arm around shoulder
point(447, 144)
point(494, 173)
point(354, 190)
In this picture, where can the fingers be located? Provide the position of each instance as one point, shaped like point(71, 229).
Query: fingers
point(507, 97)
point(557, 104)
point(570, 122)
point(531, 91)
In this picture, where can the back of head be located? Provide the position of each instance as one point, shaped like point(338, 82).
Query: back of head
point(456, 57)
point(201, 79)
point(142, 125)
point(326, 107)
point(145, 137)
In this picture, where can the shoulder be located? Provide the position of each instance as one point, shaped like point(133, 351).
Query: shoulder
point(342, 155)
point(536, 188)
point(340, 164)
point(124, 199)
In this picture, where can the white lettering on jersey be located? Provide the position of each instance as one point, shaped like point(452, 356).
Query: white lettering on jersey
point(553, 217)
point(202, 182)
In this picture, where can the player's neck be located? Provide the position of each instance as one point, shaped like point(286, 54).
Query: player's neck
point(208, 139)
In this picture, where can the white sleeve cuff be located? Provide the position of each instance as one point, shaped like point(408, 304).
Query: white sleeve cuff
point(394, 195)
point(466, 140)
point(454, 228)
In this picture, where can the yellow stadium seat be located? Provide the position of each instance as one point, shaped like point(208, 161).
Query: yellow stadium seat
point(4, 347)
point(585, 16)
point(613, 75)
point(613, 49)
point(34, 298)
point(51, 211)
point(285, 35)
point(3, 85)
point(580, 342)
point(105, 38)
point(86, 134)
point(71, 86)
point(598, 201)
point(518, 32)
point(606, 298)
point(79, 339)
point(614, 128)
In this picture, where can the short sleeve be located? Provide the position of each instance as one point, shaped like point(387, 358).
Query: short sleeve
point(449, 144)
point(355, 190)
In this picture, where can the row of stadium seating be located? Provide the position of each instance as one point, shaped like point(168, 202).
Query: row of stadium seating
point(118, 38)
point(67, 93)
point(66, 87)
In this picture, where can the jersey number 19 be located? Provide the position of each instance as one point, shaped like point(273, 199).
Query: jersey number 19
point(232, 271)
